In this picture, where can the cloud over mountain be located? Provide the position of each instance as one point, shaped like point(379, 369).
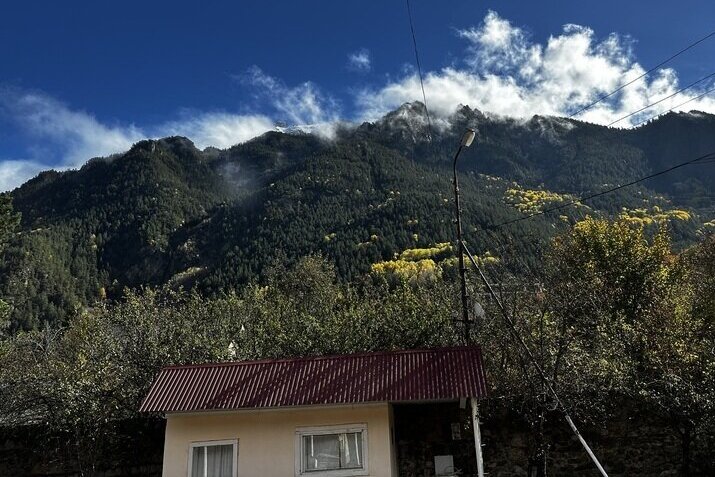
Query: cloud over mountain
point(67, 138)
point(506, 73)
point(502, 71)
point(217, 129)
point(301, 104)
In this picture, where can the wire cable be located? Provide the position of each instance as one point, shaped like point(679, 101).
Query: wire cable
point(661, 100)
point(658, 66)
point(676, 107)
point(419, 70)
point(700, 159)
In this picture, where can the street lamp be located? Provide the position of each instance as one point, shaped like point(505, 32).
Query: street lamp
point(466, 141)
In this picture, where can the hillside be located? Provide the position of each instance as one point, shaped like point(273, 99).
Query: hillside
point(167, 213)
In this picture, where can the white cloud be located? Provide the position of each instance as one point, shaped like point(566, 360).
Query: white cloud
point(73, 137)
point(360, 60)
point(507, 74)
point(220, 130)
point(504, 72)
point(15, 172)
point(79, 134)
point(302, 105)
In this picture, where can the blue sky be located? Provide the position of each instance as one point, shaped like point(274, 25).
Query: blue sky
point(81, 79)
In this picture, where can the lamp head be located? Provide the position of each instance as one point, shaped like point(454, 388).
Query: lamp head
point(468, 137)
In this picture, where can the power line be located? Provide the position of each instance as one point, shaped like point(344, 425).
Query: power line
point(608, 191)
point(661, 100)
point(589, 106)
point(676, 107)
point(419, 70)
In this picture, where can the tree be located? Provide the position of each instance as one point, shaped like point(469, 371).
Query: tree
point(678, 370)
point(306, 310)
point(641, 313)
point(9, 221)
point(82, 385)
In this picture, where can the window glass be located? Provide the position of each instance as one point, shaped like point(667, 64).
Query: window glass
point(332, 451)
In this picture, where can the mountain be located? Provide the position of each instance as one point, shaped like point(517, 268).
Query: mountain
point(166, 213)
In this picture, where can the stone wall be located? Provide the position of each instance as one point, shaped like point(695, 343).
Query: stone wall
point(632, 445)
point(30, 451)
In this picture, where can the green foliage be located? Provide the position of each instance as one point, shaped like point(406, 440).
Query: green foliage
point(9, 220)
point(306, 311)
point(166, 213)
point(94, 281)
point(625, 303)
point(80, 383)
point(616, 260)
point(617, 316)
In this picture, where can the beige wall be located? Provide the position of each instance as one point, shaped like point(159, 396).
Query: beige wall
point(266, 438)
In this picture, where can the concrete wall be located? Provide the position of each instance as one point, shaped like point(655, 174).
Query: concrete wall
point(266, 438)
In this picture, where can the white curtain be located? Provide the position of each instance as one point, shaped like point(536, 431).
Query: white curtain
point(212, 461)
point(322, 452)
point(197, 462)
point(351, 456)
point(220, 461)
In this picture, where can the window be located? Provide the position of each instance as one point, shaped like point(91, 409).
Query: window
point(332, 451)
point(213, 458)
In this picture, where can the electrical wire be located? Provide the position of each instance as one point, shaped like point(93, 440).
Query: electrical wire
point(676, 107)
point(702, 159)
point(662, 63)
point(661, 100)
point(419, 70)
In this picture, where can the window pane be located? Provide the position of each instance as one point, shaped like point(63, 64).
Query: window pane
point(321, 452)
point(197, 462)
point(351, 454)
point(219, 461)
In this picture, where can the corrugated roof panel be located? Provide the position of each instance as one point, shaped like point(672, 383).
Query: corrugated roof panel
point(396, 376)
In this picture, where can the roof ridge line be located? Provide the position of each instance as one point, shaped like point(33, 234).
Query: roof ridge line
point(321, 357)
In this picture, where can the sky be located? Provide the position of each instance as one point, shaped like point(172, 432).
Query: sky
point(83, 79)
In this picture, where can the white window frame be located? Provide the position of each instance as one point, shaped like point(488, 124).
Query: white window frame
point(300, 432)
point(225, 442)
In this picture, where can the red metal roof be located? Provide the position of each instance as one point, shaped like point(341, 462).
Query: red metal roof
point(395, 376)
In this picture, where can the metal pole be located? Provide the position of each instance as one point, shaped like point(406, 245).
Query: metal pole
point(477, 436)
point(460, 247)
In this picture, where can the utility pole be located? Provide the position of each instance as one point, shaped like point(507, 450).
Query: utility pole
point(466, 141)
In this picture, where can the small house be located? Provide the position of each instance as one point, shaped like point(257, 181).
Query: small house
point(384, 414)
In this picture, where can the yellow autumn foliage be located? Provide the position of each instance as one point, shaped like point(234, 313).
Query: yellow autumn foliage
point(483, 260)
point(653, 215)
point(413, 254)
point(408, 270)
point(533, 200)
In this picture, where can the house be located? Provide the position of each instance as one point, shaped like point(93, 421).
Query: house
point(373, 414)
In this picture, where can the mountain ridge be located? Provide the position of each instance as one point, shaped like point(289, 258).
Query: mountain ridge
point(167, 213)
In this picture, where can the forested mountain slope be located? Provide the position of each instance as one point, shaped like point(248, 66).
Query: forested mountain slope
point(166, 213)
